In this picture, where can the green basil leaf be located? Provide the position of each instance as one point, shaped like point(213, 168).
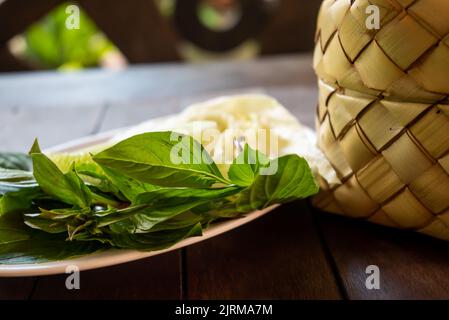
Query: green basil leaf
point(245, 166)
point(13, 181)
point(10, 235)
point(292, 180)
point(59, 214)
point(156, 240)
point(181, 221)
point(44, 247)
point(163, 159)
point(18, 200)
point(93, 175)
point(12, 229)
point(129, 187)
point(46, 225)
point(169, 197)
point(165, 204)
point(68, 188)
point(53, 221)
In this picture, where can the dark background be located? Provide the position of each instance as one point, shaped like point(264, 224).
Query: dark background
point(33, 34)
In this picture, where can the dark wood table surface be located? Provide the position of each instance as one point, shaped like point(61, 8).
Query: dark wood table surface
point(294, 252)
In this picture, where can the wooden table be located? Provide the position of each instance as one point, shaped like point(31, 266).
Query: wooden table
point(292, 253)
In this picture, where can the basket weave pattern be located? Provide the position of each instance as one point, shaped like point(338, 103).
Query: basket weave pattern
point(387, 137)
point(407, 58)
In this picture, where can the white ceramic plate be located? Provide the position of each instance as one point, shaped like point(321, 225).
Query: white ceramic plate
point(114, 256)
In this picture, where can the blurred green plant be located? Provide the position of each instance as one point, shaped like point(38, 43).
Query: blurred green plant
point(49, 44)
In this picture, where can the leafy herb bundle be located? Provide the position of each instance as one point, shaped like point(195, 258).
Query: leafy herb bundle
point(132, 195)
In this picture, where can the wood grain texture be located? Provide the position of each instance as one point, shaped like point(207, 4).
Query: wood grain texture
point(52, 125)
point(154, 278)
point(136, 27)
point(275, 257)
point(291, 29)
point(412, 266)
point(16, 288)
point(147, 83)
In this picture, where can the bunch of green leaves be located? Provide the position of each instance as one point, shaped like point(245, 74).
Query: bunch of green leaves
point(133, 195)
point(50, 44)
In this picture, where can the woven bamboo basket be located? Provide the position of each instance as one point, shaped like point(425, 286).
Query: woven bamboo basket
point(407, 58)
point(386, 136)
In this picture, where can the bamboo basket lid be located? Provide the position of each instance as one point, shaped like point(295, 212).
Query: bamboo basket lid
point(406, 59)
